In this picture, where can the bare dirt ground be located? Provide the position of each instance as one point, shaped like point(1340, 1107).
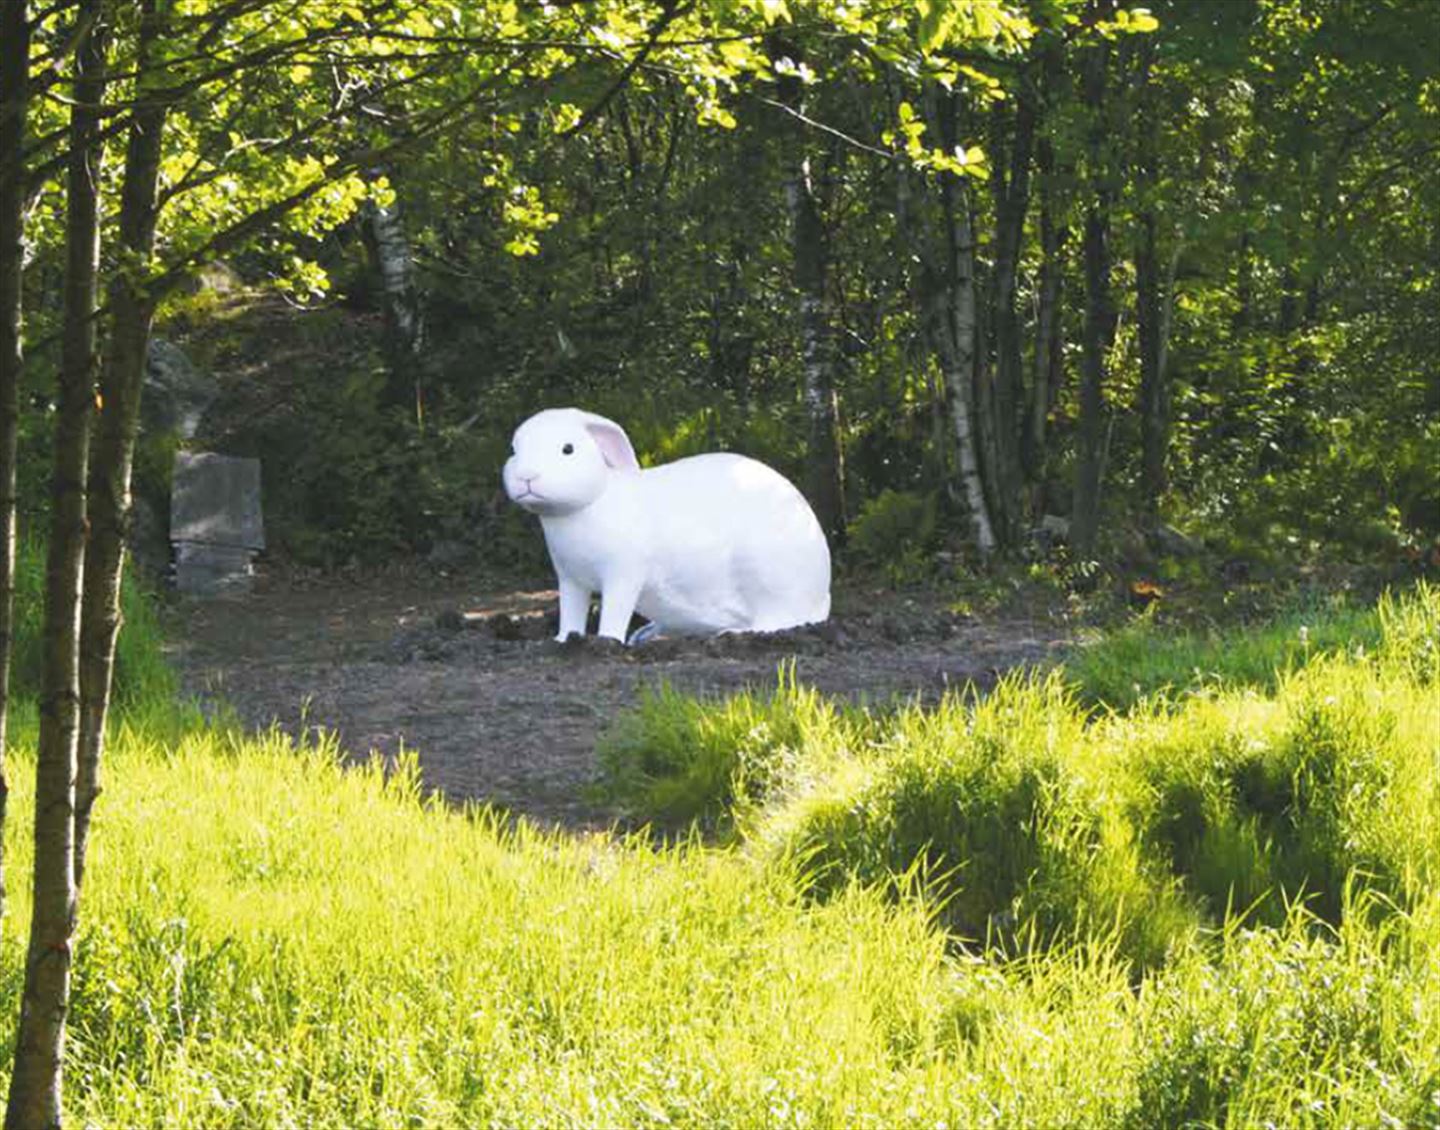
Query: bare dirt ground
point(465, 673)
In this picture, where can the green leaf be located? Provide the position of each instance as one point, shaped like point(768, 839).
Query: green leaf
point(773, 10)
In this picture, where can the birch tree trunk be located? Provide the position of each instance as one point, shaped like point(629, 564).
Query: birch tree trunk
point(35, 1086)
point(389, 246)
point(959, 354)
point(122, 377)
point(810, 249)
point(14, 100)
point(816, 349)
point(939, 233)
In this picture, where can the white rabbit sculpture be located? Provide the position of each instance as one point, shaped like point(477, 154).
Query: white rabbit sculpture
point(712, 543)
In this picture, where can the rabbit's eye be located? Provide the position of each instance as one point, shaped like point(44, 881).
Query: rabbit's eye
point(568, 449)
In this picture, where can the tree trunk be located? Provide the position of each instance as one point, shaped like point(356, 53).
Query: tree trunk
point(959, 354)
point(40, 1045)
point(389, 247)
point(1099, 313)
point(14, 100)
point(943, 241)
point(122, 377)
point(1149, 306)
point(1047, 362)
point(816, 349)
point(1012, 202)
point(811, 251)
point(1154, 395)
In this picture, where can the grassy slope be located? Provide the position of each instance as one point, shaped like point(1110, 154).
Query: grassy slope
point(269, 940)
point(1142, 659)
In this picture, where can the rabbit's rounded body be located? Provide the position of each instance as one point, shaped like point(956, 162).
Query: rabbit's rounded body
point(708, 544)
point(719, 543)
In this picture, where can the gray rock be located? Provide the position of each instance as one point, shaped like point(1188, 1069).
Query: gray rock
point(1052, 531)
point(1056, 526)
point(149, 537)
point(450, 554)
point(176, 391)
point(212, 570)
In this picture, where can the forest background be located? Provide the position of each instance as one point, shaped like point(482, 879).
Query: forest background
point(954, 268)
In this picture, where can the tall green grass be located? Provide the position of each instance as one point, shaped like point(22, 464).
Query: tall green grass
point(1146, 659)
point(1029, 819)
point(269, 939)
point(681, 761)
point(141, 672)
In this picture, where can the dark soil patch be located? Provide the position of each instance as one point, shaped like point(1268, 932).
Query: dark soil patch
point(468, 677)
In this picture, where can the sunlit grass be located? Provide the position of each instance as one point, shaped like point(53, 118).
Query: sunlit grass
point(1145, 659)
point(271, 940)
point(1004, 912)
point(270, 937)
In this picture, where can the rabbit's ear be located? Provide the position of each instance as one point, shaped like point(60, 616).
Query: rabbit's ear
point(614, 444)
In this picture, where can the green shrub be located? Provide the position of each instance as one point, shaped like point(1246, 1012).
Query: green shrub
point(1297, 1025)
point(1410, 632)
point(895, 534)
point(1023, 819)
point(1259, 801)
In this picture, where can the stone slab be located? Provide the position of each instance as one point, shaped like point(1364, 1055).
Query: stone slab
point(202, 569)
point(215, 500)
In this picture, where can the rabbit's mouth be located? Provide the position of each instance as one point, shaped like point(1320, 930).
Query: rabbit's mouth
point(529, 499)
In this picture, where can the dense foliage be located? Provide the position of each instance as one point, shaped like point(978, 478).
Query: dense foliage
point(821, 235)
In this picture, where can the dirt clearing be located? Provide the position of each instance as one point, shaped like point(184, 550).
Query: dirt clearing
point(465, 673)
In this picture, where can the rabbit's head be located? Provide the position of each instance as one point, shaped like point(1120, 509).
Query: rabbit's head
point(562, 460)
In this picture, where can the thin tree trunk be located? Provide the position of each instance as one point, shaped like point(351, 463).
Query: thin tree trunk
point(122, 377)
point(1154, 396)
point(1099, 313)
point(811, 251)
point(1154, 403)
point(389, 246)
point(1046, 364)
point(944, 294)
point(1012, 204)
point(816, 347)
point(35, 1088)
point(959, 355)
point(14, 102)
